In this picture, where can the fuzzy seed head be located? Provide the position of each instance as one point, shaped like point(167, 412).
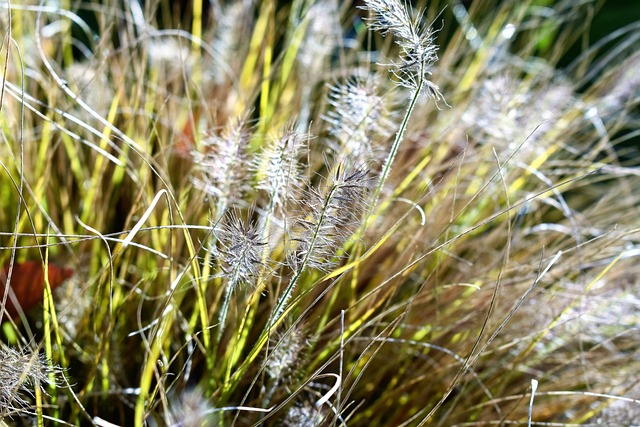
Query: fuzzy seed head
point(222, 165)
point(191, 409)
point(331, 215)
point(359, 115)
point(321, 37)
point(20, 373)
point(508, 111)
point(416, 41)
point(226, 43)
point(624, 89)
point(302, 415)
point(170, 57)
point(239, 250)
point(286, 352)
point(278, 165)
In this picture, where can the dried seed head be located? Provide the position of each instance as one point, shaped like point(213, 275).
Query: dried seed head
point(622, 88)
point(508, 111)
point(416, 41)
point(359, 115)
point(20, 373)
point(222, 165)
point(239, 249)
point(321, 38)
point(331, 215)
point(227, 41)
point(618, 413)
point(72, 305)
point(278, 165)
point(91, 84)
point(191, 409)
point(170, 58)
point(303, 415)
point(286, 351)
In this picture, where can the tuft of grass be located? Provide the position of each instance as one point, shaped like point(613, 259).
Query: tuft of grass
point(321, 213)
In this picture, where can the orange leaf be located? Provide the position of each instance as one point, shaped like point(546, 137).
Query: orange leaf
point(27, 284)
point(187, 137)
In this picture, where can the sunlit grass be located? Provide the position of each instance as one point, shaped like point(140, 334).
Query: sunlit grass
point(311, 214)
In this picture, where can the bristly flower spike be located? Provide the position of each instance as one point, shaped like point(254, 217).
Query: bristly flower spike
point(20, 373)
point(359, 114)
point(416, 40)
point(279, 173)
point(279, 167)
point(332, 214)
point(239, 253)
point(223, 165)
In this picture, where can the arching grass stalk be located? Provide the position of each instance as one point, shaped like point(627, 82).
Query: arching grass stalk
point(279, 174)
point(386, 169)
point(221, 168)
point(330, 217)
point(417, 54)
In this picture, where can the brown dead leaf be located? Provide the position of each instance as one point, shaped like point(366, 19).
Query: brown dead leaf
point(27, 284)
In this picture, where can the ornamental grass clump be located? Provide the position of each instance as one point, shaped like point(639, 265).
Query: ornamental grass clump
point(320, 213)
